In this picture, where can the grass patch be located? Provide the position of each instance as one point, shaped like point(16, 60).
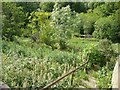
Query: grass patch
point(82, 43)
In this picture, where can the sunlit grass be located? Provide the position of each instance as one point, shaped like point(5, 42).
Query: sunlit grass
point(82, 42)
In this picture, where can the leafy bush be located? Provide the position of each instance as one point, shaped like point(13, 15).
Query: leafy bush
point(116, 19)
point(105, 28)
point(105, 46)
point(99, 54)
point(94, 56)
point(32, 72)
point(104, 78)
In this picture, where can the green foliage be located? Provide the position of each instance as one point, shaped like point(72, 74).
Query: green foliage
point(98, 11)
point(74, 6)
point(110, 8)
point(38, 21)
point(85, 22)
point(26, 63)
point(25, 66)
point(116, 19)
point(34, 65)
point(105, 28)
point(20, 50)
point(89, 23)
point(47, 6)
point(77, 6)
point(62, 20)
point(105, 45)
point(106, 9)
point(13, 19)
point(28, 7)
point(80, 19)
point(93, 5)
point(98, 54)
point(61, 57)
point(42, 30)
point(104, 78)
point(94, 56)
point(82, 43)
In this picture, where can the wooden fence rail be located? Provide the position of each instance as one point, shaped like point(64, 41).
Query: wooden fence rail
point(62, 77)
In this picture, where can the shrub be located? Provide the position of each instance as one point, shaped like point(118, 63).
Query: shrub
point(105, 28)
point(99, 54)
point(95, 57)
point(104, 78)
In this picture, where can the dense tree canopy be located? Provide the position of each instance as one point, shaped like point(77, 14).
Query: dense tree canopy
point(98, 19)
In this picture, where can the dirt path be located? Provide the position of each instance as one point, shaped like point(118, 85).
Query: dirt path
point(90, 83)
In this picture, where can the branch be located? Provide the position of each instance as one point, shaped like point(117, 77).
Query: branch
point(62, 77)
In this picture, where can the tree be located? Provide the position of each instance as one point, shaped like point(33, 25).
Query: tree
point(28, 7)
point(74, 6)
point(116, 26)
point(106, 9)
point(105, 27)
point(63, 20)
point(47, 6)
point(37, 22)
point(89, 23)
point(13, 19)
point(93, 5)
point(41, 30)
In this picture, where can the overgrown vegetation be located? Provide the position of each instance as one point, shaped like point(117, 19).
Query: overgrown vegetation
point(42, 41)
